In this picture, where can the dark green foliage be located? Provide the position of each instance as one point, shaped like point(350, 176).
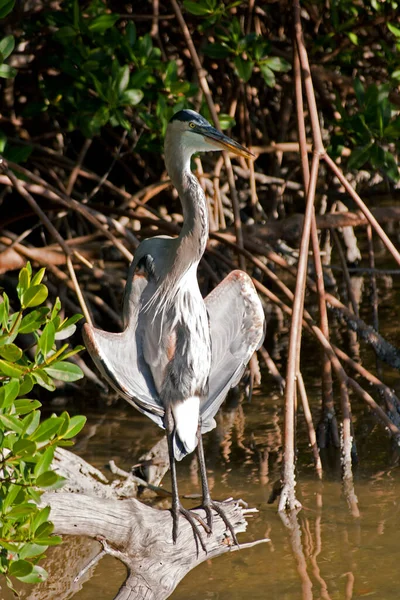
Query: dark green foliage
point(373, 131)
point(27, 444)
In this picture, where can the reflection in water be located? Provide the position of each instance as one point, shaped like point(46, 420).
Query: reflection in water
point(324, 553)
point(321, 553)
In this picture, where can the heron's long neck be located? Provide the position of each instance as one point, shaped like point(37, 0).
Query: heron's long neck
point(194, 233)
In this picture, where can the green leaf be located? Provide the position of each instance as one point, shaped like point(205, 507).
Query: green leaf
point(359, 91)
point(353, 37)
point(395, 30)
point(31, 550)
point(24, 281)
point(40, 518)
point(25, 385)
point(20, 568)
point(13, 325)
point(54, 540)
point(244, 68)
point(30, 423)
point(65, 35)
point(6, 7)
point(24, 447)
point(197, 8)
point(7, 72)
point(226, 121)
point(56, 308)
point(46, 430)
point(47, 479)
point(10, 352)
point(44, 463)
point(21, 510)
point(65, 426)
point(43, 379)
point(359, 156)
point(392, 130)
point(37, 575)
point(64, 371)
point(76, 423)
point(275, 63)
point(11, 369)
point(65, 333)
point(131, 33)
point(11, 423)
point(38, 277)
point(123, 79)
point(25, 405)
point(34, 296)
point(12, 494)
point(8, 393)
point(268, 75)
point(391, 167)
point(7, 45)
point(131, 97)
point(46, 341)
point(145, 46)
point(377, 156)
point(103, 22)
point(217, 51)
point(33, 321)
point(44, 530)
point(3, 313)
point(6, 306)
point(71, 321)
point(19, 154)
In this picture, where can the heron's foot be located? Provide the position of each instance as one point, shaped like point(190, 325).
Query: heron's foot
point(210, 505)
point(193, 518)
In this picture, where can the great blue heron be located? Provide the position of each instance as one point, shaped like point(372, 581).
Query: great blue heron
point(179, 354)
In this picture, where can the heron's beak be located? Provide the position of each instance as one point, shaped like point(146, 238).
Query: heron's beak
point(222, 141)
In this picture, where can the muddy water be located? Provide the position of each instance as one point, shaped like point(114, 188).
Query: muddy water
point(325, 553)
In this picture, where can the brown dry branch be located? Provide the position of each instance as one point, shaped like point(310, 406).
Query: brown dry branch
point(328, 418)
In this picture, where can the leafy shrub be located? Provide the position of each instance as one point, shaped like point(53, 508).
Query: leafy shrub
point(27, 444)
point(373, 131)
point(250, 52)
point(106, 73)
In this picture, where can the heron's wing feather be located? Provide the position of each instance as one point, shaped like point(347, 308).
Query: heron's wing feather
point(119, 357)
point(237, 330)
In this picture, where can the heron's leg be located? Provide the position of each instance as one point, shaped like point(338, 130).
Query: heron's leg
point(207, 502)
point(177, 507)
point(169, 427)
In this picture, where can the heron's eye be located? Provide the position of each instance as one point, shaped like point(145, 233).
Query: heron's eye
point(192, 125)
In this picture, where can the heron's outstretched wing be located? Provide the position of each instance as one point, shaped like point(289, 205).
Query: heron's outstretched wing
point(237, 330)
point(118, 356)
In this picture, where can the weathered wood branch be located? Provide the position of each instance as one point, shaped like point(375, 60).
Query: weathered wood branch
point(138, 535)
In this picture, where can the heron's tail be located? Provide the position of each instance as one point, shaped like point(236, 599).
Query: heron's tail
point(186, 416)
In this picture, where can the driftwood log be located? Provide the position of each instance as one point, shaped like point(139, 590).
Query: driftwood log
point(136, 534)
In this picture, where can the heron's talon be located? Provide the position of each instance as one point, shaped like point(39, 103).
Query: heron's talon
point(191, 517)
point(209, 504)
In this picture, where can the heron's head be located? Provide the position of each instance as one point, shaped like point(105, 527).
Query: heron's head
point(193, 133)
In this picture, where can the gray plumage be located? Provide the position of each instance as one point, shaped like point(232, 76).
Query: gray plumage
point(178, 350)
